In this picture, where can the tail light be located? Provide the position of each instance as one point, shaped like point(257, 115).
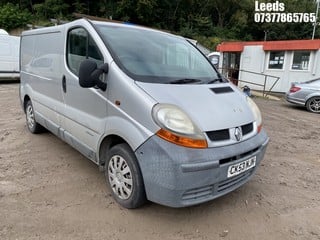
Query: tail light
point(294, 89)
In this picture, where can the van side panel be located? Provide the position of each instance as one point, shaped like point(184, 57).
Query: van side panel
point(77, 115)
point(41, 60)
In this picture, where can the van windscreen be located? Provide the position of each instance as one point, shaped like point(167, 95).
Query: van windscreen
point(156, 57)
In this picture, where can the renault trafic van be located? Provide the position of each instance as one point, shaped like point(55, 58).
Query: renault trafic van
point(146, 106)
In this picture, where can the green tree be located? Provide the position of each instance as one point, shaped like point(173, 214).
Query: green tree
point(146, 11)
point(52, 9)
point(206, 20)
point(80, 7)
point(12, 17)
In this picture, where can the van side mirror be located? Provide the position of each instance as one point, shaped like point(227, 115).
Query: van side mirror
point(89, 74)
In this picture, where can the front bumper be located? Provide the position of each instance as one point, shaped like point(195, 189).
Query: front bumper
point(178, 177)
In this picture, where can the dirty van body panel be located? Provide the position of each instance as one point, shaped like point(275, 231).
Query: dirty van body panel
point(128, 106)
point(81, 117)
point(85, 109)
point(92, 114)
point(207, 108)
point(177, 176)
point(85, 113)
point(41, 71)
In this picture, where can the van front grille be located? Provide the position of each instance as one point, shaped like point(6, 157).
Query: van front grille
point(236, 157)
point(224, 134)
point(198, 193)
point(248, 128)
point(219, 135)
point(210, 191)
point(232, 182)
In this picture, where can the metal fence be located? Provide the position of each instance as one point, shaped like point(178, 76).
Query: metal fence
point(233, 75)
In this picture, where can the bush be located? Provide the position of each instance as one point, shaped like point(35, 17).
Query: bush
point(12, 17)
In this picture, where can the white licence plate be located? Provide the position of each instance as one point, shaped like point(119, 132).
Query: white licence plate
point(241, 167)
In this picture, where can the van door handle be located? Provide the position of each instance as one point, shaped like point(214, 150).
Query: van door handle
point(64, 84)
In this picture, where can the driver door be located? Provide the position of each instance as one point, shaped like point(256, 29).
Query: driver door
point(85, 108)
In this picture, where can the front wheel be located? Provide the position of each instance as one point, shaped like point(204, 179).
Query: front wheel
point(124, 177)
point(313, 104)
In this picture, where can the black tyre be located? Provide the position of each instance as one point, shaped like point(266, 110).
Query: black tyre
point(124, 177)
point(313, 104)
point(32, 125)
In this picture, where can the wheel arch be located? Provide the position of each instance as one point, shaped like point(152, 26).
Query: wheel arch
point(106, 144)
point(26, 98)
point(316, 108)
point(121, 130)
point(308, 97)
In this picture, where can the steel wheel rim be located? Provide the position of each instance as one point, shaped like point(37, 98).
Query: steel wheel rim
point(120, 177)
point(30, 117)
point(315, 105)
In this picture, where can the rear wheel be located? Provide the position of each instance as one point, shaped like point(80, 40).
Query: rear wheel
point(32, 125)
point(124, 177)
point(313, 104)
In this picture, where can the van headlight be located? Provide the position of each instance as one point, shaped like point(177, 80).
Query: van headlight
point(256, 113)
point(177, 127)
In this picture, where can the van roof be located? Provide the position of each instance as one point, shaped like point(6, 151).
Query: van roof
point(131, 25)
point(3, 32)
point(86, 21)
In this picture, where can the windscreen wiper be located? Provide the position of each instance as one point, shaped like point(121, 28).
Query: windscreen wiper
point(220, 80)
point(185, 81)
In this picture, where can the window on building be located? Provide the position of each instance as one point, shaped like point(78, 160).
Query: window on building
point(301, 60)
point(276, 60)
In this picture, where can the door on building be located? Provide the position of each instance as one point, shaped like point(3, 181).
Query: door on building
point(230, 66)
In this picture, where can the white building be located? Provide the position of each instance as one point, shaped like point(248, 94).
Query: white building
point(254, 62)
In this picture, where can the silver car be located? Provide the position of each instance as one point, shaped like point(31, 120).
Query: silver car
point(306, 94)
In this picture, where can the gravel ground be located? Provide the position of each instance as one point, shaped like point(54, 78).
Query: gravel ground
point(50, 191)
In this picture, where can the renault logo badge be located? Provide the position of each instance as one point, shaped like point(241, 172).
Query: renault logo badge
point(238, 133)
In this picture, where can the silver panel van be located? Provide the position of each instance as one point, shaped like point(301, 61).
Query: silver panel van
point(146, 106)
